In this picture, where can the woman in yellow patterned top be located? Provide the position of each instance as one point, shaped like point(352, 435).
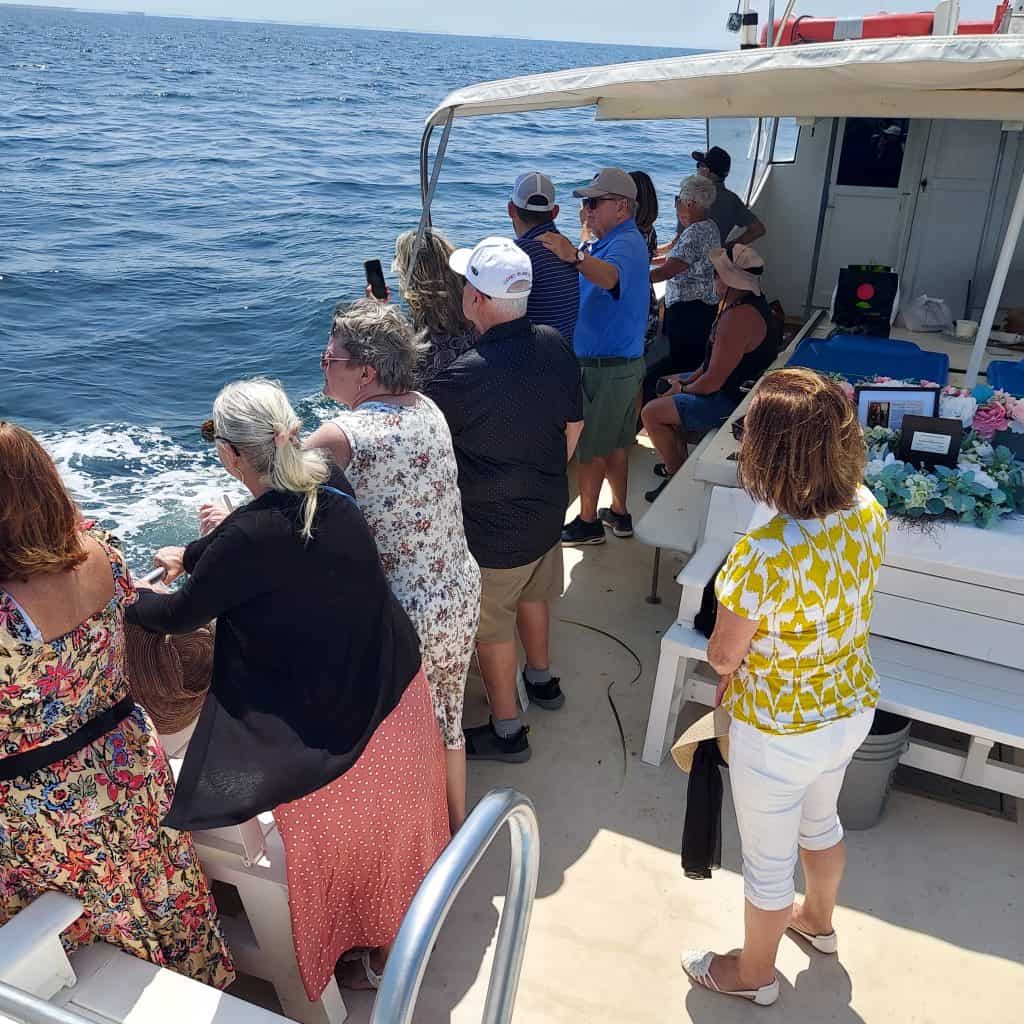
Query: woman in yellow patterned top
point(791, 647)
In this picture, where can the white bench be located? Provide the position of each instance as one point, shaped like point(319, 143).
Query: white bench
point(250, 857)
point(947, 651)
point(102, 983)
point(675, 520)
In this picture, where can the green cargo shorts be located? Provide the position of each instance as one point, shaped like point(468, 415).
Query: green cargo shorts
point(609, 408)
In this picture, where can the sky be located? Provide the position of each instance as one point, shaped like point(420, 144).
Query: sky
point(671, 23)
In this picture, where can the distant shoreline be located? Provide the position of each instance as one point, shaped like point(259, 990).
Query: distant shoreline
point(683, 50)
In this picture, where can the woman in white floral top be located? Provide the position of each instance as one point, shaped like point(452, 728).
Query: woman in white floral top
point(396, 450)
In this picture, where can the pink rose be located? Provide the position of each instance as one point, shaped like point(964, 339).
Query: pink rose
point(988, 419)
point(847, 389)
point(929, 384)
point(1016, 409)
point(882, 380)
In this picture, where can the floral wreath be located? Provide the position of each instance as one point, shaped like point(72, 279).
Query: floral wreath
point(988, 481)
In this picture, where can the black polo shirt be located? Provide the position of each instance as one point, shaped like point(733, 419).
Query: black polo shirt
point(507, 402)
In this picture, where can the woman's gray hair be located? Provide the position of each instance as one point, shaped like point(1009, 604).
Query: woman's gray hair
point(379, 335)
point(698, 190)
point(257, 419)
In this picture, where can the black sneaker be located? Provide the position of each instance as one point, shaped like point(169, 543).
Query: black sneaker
point(621, 526)
point(545, 695)
point(581, 532)
point(652, 495)
point(484, 744)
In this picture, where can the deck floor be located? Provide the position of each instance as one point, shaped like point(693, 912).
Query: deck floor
point(931, 910)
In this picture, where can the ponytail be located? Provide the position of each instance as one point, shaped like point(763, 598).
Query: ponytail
point(260, 422)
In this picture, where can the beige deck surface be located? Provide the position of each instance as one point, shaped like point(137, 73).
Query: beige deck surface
point(931, 920)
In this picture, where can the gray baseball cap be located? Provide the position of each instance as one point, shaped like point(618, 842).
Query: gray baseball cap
point(609, 181)
point(534, 191)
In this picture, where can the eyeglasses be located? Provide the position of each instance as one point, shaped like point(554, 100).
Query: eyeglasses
point(326, 360)
point(590, 202)
point(208, 434)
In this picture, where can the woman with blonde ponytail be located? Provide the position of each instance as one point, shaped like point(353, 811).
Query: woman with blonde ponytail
point(319, 709)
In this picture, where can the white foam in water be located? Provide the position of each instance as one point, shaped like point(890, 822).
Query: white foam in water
point(140, 483)
point(146, 487)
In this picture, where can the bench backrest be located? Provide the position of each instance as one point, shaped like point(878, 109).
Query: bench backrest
point(920, 604)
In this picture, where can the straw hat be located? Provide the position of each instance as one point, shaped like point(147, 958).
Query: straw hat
point(739, 266)
point(169, 675)
point(714, 725)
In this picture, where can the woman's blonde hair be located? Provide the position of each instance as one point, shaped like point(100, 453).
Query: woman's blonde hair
point(432, 290)
point(256, 418)
point(803, 448)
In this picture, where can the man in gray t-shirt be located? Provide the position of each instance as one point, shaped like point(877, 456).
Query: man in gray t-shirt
point(728, 211)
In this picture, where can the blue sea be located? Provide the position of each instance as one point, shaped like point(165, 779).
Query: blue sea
point(183, 202)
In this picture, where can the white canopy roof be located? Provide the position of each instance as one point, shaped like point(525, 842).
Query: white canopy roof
point(965, 77)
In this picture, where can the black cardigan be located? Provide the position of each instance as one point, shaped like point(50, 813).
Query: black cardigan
point(312, 653)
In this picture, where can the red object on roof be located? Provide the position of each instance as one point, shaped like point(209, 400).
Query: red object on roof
point(808, 29)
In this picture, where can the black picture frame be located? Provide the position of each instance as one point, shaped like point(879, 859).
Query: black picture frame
point(1011, 440)
point(879, 406)
point(930, 441)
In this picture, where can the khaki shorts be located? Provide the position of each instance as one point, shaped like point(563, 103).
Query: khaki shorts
point(609, 408)
point(503, 590)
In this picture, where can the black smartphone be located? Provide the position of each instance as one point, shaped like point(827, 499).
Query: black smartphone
point(375, 279)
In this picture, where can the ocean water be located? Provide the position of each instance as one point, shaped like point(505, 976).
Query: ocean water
point(183, 202)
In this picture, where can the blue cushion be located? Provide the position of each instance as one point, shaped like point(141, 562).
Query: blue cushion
point(1006, 375)
point(857, 357)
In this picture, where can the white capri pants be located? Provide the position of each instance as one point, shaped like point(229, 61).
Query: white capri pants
point(785, 789)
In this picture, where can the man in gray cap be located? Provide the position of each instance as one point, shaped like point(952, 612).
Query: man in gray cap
point(555, 297)
point(609, 343)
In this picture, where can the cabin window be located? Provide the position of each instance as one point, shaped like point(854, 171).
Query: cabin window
point(738, 136)
point(872, 153)
point(787, 136)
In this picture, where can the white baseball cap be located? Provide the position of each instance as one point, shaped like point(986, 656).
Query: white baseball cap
point(534, 191)
point(496, 266)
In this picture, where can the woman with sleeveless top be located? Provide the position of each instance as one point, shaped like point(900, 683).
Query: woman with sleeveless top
point(318, 708)
point(84, 784)
point(743, 343)
point(396, 449)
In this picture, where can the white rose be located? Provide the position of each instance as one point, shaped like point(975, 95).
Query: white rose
point(955, 407)
point(980, 476)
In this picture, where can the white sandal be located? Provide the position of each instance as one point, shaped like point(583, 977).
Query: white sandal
point(697, 965)
point(822, 943)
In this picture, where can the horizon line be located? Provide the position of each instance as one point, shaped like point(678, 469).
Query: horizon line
point(76, 9)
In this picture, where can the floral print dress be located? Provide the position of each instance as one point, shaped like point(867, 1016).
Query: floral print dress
point(406, 481)
point(89, 825)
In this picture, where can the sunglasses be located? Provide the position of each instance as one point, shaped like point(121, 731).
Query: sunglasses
point(208, 434)
point(326, 360)
point(590, 202)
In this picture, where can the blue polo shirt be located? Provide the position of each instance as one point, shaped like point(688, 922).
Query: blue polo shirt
point(612, 323)
point(555, 295)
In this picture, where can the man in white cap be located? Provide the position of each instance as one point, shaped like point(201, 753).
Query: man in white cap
point(609, 343)
point(555, 297)
point(514, 407)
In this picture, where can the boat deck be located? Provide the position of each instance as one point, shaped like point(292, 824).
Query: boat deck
point(930, 911)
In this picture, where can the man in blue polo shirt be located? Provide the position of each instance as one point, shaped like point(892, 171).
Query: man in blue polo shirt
point(609, 343)
point(555, 298)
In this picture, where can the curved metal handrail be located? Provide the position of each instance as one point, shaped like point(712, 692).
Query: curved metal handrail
point(407, 963)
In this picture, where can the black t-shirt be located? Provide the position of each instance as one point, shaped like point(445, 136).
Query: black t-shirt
point(507, 402)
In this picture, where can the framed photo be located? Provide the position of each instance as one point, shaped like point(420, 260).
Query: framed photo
point(885, 407)
point(930, 441)
point(1015, 442)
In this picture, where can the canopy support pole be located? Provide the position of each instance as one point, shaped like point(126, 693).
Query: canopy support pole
point(826, 187)
point(431, 186)
point(995, 292)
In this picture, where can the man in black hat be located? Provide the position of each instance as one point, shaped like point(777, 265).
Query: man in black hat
point(728, 211)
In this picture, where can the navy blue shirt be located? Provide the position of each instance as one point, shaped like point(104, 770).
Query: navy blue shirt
point(613, 322)
point(507, 402)
point(555, 296)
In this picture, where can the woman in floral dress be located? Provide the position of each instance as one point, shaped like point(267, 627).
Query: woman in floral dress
point(396, 450)
point(84, 783)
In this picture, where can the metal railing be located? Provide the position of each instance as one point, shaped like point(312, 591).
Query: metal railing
point(407, 963)
point(29, 1009)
